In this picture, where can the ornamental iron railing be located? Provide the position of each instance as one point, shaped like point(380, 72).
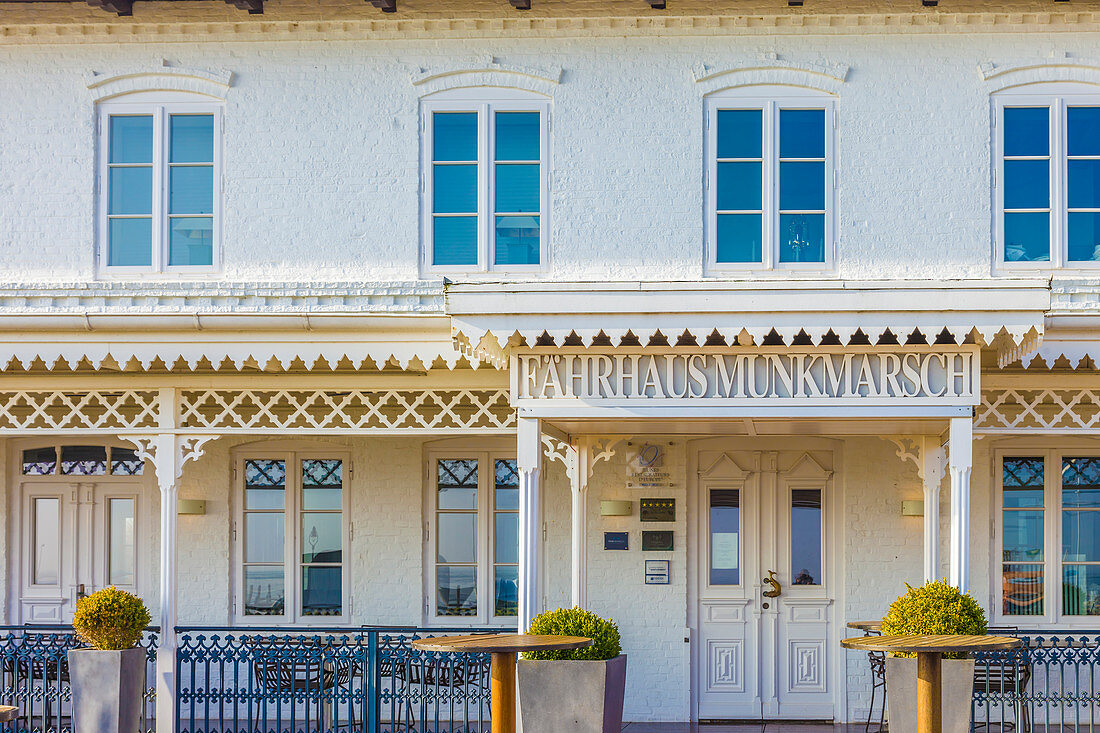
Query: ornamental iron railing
point(35, 667)
point(359, 680)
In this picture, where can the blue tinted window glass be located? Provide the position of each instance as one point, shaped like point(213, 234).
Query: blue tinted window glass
point(740, 133)
point(1084, 184)
point(454, 136)
point(801, 237)
point(739, 237)
point(517, 188)
point(1084, 236)
point(517, 240)
point(739, 186)
point(1027, 131)
point(801, 133)
point(191, 138)
point(454, 190)
point(131, 191)
point(191, 189)
point(130, 242)
point(801, 186)
point(1027, 237)
point(1083, 129)
point(454, 240)
point(131, 139)
point(517, 136)
point(1027, 184)
point(191, 241)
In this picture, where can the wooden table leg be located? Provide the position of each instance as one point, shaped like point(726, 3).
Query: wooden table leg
point(502, 692)
point(929, 693)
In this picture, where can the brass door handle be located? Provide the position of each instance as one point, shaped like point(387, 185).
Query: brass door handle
point(776, 590)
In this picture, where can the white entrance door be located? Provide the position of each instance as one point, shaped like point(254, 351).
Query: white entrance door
point(79, 532)
point(764, 649)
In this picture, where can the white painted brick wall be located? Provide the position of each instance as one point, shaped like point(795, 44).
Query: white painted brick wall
point(321, 150)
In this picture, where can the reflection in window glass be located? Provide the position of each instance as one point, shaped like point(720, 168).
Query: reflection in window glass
point(518, 187)
point(1081, 536)
point(40, 461)
point(806, 537)
point(322, 537)
point(739, 184)
point(130, 190)
point(1022, 512)
point(1082, 130)
point(456, 536)
point(506, 538)
point(47, 541)
point(454, 188)
point(801, 185)
point(725, 537)
point(264, 537)
point(1026, 184)
point(121, 557)
point(83, 460)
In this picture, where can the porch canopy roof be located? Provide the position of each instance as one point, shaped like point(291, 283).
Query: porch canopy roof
point(489, 320)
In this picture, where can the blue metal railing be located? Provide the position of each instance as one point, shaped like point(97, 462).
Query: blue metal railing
point(1051, 683)
point(327, 679)
point(35, 677)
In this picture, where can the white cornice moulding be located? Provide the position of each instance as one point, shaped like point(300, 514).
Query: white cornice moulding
point(703, 73)
point(486, 65)
point(214, 84)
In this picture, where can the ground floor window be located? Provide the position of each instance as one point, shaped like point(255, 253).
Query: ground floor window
point(473, 537)
point(1050, 539)
point(291, 537)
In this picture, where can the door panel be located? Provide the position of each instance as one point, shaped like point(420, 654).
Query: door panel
point(758, 656)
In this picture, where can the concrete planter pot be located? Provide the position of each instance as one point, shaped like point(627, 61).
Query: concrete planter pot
point(901, 694)
point(569, 696)
point(107, 688)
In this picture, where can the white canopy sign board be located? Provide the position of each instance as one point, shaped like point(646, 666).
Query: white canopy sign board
point(818, 377)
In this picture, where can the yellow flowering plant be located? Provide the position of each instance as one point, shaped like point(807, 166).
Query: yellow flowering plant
point(934, 608)
point(577, 622)
point(110, 619)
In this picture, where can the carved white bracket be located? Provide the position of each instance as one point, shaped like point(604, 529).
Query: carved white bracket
point(169, 453)
point(596, 450)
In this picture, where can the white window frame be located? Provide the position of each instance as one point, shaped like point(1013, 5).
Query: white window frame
point(159, 105)
point(1052, 538)
point(485, 103)
point(292, 511)
point(486, 539)
point(768, 99)
point(1057, 96)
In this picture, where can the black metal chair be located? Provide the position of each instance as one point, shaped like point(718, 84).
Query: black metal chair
point(283, 671)
point(1005, 676)
point(466, 674)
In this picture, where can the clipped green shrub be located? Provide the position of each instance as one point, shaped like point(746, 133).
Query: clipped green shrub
point(110, 619)
point(934, 608)
point(577, 622)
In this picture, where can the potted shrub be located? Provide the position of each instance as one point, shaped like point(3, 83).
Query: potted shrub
point(108, 679)
point(933, 608)
point(575, 691)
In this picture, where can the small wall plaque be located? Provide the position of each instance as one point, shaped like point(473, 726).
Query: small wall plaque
point(656, 572)
point(657, 541)
point(616, 541)
point(658, 510)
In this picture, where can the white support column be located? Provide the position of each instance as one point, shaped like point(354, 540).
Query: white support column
point(960, 451)
point(168, 481)
point(579, 536)
point(933, 465)
point(529, 461)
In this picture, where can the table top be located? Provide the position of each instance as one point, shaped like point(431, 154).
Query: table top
point(500, 643)
point(8, 713)
point(931, 643)
point(865, 625)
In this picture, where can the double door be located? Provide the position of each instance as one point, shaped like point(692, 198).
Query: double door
point(77, 537)
point(763, 642)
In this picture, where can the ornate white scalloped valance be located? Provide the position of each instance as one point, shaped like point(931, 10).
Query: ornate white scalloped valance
point(488, 319)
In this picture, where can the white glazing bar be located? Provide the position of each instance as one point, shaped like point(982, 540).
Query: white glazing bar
point(960, 462)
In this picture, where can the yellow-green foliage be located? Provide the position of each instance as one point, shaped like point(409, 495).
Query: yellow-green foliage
point(577, 622)
point(110, 619)
point(934, 608)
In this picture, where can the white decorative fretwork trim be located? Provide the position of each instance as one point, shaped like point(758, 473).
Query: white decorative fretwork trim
point(31, 410)
point(1028, 411)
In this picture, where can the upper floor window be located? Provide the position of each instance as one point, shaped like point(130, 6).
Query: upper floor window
point(769, 182)
point(159, 185)
point(1047, 182)
point(485, 182)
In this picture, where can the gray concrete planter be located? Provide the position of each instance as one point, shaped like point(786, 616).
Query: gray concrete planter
point(107, 688)
point(901, 694)
point(572, 696)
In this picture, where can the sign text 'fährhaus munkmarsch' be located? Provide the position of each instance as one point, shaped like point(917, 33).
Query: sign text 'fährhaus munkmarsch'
point(923, 375)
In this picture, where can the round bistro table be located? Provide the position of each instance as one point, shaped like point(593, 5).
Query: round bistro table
point(930, 651)
point(867, 627)
point(502, 668)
